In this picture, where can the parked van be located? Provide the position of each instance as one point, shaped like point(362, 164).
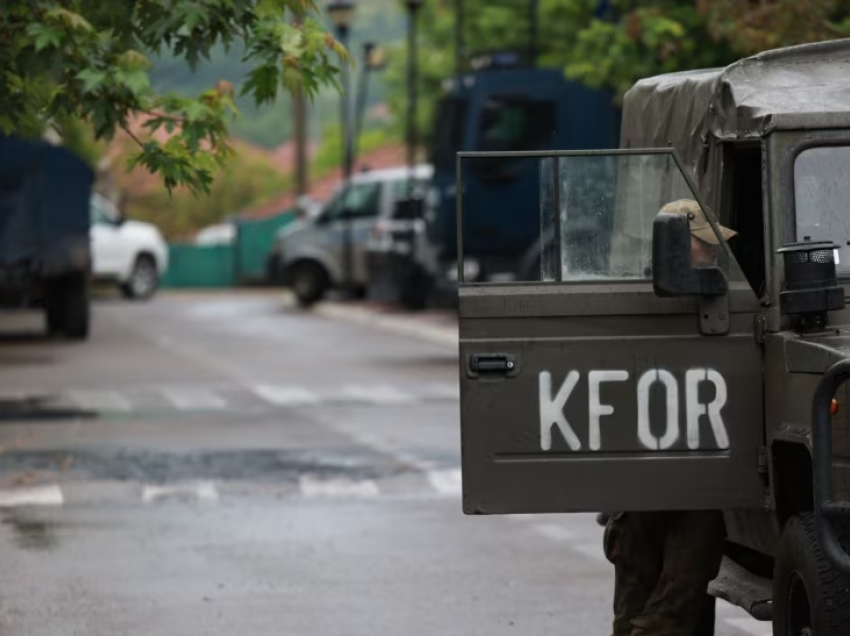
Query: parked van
point(309, 254)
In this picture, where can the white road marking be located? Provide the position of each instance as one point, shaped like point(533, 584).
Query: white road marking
point(285, 396)
point(750, 626)
point(203, 491)
point(100, 400)
point(188, 399)
point(446, 482)
point(378, 394)
point(50, 495)
point(312, 487)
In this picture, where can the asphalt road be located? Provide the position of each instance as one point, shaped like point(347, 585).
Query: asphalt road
point(222, 464)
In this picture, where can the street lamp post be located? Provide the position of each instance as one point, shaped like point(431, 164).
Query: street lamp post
point(341, 14)
point(413, 7)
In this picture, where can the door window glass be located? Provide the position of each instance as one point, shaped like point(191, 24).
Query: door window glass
point(100, 212)
point(594, 217)
point(509, 123)
point(821, 193)
point(362, 200)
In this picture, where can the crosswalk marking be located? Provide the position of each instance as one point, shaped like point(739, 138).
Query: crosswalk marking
point(446, 482)
point(378, 394)
point(259, 395)
point(340, 487)
point(100, 400)
point(48, 495)
point(203, 491)
point(285, 396)
point(188, 399)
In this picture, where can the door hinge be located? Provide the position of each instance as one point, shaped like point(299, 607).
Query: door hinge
point(760, 328)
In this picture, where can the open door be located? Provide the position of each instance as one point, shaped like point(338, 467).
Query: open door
point(625, 378)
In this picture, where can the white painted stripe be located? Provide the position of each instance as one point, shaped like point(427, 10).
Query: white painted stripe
point(312, 487)
point(285, 395)
point(101, 400)
point(446, 482)
point(188, 399)
point(378, 394)
point(750, 626)
point(203, 491)
point(553, 531)
point(50, 495)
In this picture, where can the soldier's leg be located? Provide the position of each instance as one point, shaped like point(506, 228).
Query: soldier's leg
point(634, 544)
point(692, 555)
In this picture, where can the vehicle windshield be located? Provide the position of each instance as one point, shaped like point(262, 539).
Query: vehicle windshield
point(596, 214)
point(449, 125)
point(821, 196)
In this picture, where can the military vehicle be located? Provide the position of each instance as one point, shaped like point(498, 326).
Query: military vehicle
point(45, 219)
point(627, 377)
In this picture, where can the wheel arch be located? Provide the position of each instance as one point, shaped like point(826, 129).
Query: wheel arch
point(791, 464)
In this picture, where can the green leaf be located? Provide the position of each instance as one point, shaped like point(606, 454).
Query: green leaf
point(92, 79)
point(43, 36)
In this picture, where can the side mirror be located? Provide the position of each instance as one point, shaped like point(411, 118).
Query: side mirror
point(409, 209)
point(672, 271)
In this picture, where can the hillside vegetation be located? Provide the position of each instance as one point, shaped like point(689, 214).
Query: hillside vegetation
point(379, 21)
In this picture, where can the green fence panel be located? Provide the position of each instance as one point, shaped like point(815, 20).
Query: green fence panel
point(254, 240)
point(200, 266)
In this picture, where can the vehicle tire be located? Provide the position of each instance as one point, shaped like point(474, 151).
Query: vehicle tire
point(53, 310)
point(67, 307)
point(309, 283)
point(144, 279)
point(415, 292)
point(810, 597)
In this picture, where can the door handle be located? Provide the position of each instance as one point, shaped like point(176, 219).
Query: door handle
point(492, 363)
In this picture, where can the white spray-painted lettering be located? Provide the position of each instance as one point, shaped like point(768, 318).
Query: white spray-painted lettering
point(671, 388)
point(552, 408)
point(596, 408)
point(694, 408)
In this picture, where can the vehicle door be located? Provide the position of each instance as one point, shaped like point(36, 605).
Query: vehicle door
point(359, 210)
point(620, 379)
point(107, 243)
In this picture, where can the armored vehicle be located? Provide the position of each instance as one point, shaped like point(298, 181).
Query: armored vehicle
point(629, 376)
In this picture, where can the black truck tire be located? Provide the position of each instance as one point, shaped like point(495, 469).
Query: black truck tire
point(67, 307)
point(810, 597)
point(309, 283)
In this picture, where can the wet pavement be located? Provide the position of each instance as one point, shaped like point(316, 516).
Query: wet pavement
point(224, 464)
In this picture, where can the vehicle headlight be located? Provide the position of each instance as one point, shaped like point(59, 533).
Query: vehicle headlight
point(471, 271)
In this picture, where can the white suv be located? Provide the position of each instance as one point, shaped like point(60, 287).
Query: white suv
point(131, 254)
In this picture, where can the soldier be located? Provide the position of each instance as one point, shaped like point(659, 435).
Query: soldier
point(664, 560)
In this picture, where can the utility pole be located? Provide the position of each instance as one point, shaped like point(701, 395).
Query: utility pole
point(458, 37)
point(301, 184)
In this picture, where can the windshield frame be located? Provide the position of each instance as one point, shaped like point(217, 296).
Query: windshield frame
point(544, 154)
point(788, 190)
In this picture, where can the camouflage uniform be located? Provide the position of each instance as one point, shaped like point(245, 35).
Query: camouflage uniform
point(663, 563)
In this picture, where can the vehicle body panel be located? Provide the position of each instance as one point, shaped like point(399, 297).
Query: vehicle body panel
point(44, 218)
point(321, 238)
point(117, 243)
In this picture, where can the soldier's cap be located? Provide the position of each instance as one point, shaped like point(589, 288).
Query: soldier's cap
point(699, 224)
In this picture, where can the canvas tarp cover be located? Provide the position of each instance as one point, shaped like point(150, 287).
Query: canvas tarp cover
point(800, 87)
